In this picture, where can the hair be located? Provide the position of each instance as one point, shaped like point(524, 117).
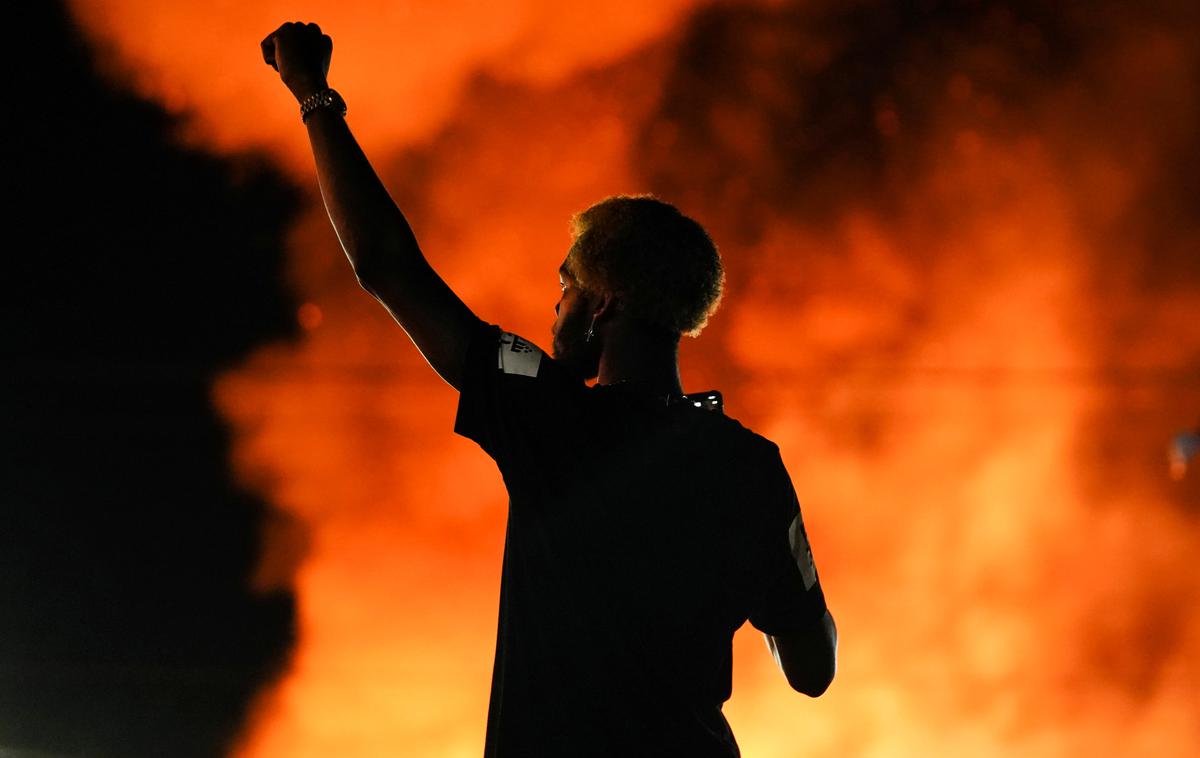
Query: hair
point(661, 264)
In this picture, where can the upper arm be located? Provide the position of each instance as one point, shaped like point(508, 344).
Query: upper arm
point(438, 322)
point(788, 595)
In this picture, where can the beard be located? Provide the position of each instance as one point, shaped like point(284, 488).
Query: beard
point(574, 352)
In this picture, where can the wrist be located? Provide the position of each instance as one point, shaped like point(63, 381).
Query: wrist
point(323, 99)
point(305, 88)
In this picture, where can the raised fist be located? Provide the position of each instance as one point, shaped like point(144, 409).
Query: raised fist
point(300, 53)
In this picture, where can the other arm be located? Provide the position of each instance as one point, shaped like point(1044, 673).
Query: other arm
point(791, 610)
point(808, 658)
point(374, 234)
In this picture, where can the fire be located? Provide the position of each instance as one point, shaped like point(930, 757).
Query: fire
point(403, 66)
point(967, 317)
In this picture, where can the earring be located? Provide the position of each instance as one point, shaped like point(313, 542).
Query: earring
point(591, 331)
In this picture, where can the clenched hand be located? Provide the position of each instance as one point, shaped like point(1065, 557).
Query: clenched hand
point(301, 55)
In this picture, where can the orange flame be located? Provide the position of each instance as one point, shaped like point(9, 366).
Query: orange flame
point(1007, 577)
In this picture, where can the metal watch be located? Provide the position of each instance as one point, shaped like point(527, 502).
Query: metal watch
point(326, 98)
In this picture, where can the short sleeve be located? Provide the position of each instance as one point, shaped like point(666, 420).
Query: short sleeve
point(514, 398)
point(788, 596)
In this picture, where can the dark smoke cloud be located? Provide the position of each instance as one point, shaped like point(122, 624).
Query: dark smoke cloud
point(805, 114)
point(134, 270)
point(802, 113)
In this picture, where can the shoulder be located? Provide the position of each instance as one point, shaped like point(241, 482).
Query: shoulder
point(748, 456)
point(513, 357)
point(517, 355)
point(749, 442)
point(513, 397)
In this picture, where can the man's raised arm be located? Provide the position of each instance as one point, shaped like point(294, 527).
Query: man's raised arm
point(374, 233)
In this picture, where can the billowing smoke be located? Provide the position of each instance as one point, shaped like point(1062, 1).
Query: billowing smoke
point(963, 246)
point(967, 248)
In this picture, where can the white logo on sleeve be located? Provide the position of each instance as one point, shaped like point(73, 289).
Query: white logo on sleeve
point(518, 355)
point(801, 552)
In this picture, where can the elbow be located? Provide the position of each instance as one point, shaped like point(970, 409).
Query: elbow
point(814, 679)
point(814, 685)
point(808, 657)
point(397, 276)
point(368, 264)
point(365, 282)
point(367, 274)
point(373, 282)
point(823, 675)
point(383, 258)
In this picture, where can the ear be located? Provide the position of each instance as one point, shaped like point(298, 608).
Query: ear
point(607, 305)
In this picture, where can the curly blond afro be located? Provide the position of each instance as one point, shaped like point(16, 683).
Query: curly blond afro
point(661, 264)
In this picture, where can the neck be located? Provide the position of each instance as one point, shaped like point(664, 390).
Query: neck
point(635, 355)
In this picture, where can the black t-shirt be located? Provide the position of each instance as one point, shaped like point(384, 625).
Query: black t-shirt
point(641, 535)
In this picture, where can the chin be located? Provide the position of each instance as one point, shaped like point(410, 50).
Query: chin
point(579, 363)
point(583, 372)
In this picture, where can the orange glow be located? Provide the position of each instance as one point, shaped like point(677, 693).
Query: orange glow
point(931, 371)
point(309, 316)
point(401, 65)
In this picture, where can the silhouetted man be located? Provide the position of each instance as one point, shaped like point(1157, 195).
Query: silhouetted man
point(644, 526)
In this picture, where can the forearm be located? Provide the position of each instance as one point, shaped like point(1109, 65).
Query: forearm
point(808, 658)
point(373, 232)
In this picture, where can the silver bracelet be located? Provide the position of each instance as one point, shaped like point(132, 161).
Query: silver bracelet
point(326, 98)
